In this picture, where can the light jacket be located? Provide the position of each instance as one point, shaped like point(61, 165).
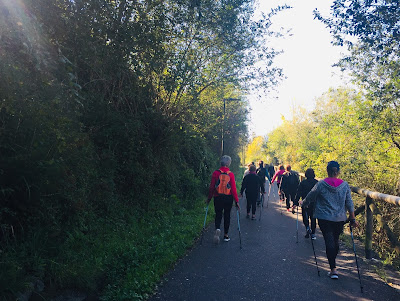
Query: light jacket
point(330, 202)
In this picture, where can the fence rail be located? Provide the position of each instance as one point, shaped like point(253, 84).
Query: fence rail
point(370, 210)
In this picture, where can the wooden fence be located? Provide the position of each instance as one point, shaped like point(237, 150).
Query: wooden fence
point(370, 210)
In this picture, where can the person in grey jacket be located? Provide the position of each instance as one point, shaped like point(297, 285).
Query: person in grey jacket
point(331, 198)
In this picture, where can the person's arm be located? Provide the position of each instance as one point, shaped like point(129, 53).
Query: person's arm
point(233, 188)
point(283, 182)
point(299, 192)
point(244, 184)
point(311, 196)
point(275, 175)
point(267, 175)
point(212, 186)
point(350, 208)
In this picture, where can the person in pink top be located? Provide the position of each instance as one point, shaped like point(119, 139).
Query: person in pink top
point(223, 196)
point(332, 200)
point(278, 176)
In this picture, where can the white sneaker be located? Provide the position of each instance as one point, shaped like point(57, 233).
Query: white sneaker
point(313, 237)
point(226, 238)
point(333, 275)
point(216, 236)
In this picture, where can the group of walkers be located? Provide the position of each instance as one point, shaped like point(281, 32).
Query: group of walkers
point(326, 200)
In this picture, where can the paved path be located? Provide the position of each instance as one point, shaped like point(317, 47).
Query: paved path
point(270, 266)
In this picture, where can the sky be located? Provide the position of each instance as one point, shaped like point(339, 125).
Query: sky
point(307, 63)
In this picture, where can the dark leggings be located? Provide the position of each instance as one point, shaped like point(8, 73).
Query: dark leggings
point(290, 196)
point(308, 214)
point(223, 203)
point(331, 231)
point(251, 203)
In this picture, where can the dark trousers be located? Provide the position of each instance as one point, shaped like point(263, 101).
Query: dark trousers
point(223, 204)
point(331, 231)
point(308, 214)
point(290, 196)
point(251, 203)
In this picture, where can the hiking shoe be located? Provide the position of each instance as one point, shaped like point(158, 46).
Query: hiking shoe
point(293, 210)
point(253, 217)
point(307, 235)
point(313, 237)
point(226, 238)
point(216, 236)
point(333, 275)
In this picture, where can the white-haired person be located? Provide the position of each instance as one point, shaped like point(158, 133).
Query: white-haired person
point(223, 190)
point(331, 198)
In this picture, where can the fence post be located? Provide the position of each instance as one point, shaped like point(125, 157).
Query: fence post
point(368, 228)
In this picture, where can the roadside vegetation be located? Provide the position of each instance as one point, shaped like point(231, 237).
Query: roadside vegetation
point(110, 127)
point(360, 127)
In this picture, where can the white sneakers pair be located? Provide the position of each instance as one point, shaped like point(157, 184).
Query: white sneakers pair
point(216, 236)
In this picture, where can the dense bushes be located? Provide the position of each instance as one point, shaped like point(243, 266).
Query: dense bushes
point(110, 124)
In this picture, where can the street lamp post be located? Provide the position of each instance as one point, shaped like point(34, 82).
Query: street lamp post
point(223, 123)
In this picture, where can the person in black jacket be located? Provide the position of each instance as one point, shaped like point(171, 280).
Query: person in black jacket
point(308, 213)
point(271, 171)
point(262, 173)
point(252, 184)
point(289, 184)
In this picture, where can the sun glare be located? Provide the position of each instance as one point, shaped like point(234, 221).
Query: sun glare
point(20, 32)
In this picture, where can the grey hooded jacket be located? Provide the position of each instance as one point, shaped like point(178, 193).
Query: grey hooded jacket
point(330, 202)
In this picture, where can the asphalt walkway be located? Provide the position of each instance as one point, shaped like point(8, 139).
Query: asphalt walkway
point(270, 266)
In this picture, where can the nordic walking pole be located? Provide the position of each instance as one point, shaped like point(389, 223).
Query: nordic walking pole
point(355, 255)
point(240, 236)
point(204, 226)
point(280, 201)
point(312, 243)
point(316, 263)
point(262, 205)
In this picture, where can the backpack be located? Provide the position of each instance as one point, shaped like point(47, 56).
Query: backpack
point(261, 173)
point(293, 180)
point(222, 186)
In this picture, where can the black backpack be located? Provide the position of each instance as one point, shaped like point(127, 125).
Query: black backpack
point(293, 180)
point(261, 172)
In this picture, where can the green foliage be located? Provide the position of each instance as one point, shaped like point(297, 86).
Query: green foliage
point(110, 126)
point(255, 148)
point(340, 129)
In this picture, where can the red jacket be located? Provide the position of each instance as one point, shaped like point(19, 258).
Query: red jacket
point(214, 178)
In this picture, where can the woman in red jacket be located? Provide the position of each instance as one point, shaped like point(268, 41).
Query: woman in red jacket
point(223, 189)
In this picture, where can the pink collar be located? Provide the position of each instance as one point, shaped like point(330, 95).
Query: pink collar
point(334, 182)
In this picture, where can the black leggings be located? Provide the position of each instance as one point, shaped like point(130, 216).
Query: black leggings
point(251, 203)
point(290, 196)
point(223, 203)
point(308, 214)
point(331, 231)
